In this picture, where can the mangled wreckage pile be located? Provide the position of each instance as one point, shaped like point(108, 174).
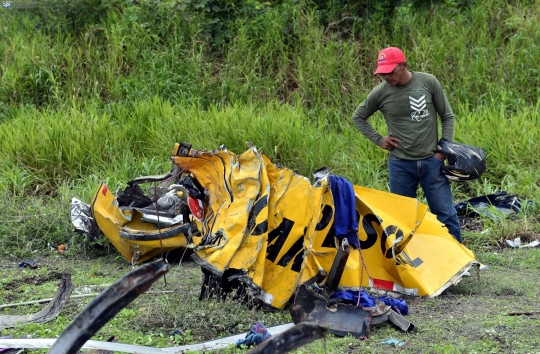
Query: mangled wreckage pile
point(261, 229)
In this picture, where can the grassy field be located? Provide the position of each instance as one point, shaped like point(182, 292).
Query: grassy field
point(474, 316)
point(101, 90)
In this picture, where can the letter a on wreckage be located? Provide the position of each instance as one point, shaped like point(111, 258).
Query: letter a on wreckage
point(256, 224)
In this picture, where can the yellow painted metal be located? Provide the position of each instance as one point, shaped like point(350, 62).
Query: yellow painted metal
point(111, 220)
point(175, 149)
point(401, 241)
point(256, 199)
point(274, 228)
point(167, 243)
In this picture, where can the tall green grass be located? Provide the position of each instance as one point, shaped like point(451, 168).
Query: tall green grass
point(483, 53)
point(107, 102)
point(42, 149)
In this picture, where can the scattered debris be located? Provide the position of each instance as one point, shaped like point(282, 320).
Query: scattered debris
point(487, 205)
point(72, 297)
point(52, 310)
point(62, 248)
point(256, 335)
point(394, 342)
point(40, 301)
point(525, 313)
point(28, 264)
point(178, 332)
point(516, 243)
point(82, 220)
point(341, 320)
point(344, 319)
point(37, 343)
point(295, 337)
point(83, 290)
point(106, 306)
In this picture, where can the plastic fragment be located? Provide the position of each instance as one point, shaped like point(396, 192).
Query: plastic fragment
point(391, 341)
point(29, 264)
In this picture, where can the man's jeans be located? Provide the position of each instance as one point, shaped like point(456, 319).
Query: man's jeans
point(405, 175)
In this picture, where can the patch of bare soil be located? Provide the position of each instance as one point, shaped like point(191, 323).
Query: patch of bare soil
point(34, 279)
point(471, 224)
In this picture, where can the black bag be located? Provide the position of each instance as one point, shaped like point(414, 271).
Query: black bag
point(502, 201)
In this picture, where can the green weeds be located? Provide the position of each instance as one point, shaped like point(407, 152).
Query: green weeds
point(67, 152)
point(105, 100)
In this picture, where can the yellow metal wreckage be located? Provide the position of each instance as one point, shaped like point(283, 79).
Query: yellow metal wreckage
point(273, 230)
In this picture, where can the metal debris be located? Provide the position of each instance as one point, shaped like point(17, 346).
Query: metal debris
point(344, 319)
point(37, 343)
point(48, 313)
point(261, 229)
point(106, 306)
point(83, 222)
point(295, 337)
point(516, 243)
point(341, 321)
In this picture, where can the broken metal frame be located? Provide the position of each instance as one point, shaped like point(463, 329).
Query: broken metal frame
point(338, 266)
point(104, 307)
point(344, 319)
point(38, 343)
point(341, 321)
point(295, 337)
point(48, 313)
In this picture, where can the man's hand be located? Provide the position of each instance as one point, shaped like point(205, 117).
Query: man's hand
point(440, 156)
point(390, 142)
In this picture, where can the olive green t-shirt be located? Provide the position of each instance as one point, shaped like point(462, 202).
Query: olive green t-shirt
point(410, 112)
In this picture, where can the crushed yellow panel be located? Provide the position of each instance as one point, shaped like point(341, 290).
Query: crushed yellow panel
point(274, 230)
point(111, 220)
point(251, 232)
point(285, 236)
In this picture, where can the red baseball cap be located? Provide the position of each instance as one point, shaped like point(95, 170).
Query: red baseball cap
point(388, 59)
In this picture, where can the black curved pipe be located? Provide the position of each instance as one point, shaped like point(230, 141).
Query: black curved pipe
point(106, 305)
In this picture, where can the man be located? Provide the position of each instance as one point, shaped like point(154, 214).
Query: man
point(410, 102)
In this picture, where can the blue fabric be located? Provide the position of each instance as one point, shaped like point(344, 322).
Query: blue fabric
point(255, 336)
point(24, 264)
point(405, 175)
point(366, 300)
point(352, 296)
point(345, 218)
point(400, 306)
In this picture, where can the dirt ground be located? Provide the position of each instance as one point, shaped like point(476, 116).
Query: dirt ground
point(493, 311)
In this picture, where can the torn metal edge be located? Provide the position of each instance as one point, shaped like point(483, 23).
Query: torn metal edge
point(52, 310)
point(105, 306)
point(456, 278)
